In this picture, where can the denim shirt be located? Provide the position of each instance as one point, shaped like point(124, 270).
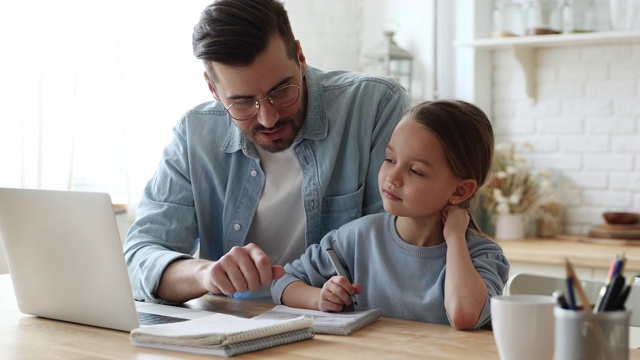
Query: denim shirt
point(207, 186)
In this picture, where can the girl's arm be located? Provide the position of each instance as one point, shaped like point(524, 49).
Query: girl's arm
point(465, 292)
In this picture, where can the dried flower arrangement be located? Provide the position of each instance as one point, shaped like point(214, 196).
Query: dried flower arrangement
point(514, 188)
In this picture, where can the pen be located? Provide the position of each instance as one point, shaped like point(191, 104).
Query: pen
point(339, 269)
point(562, 301)
point(623, 296)
point(611, 297)
point(607, 284)
point(571, 295)
point(586, 304)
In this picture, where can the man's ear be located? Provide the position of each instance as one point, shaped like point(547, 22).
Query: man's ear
point(210, 86)
point(301, 58)
point(465, 189)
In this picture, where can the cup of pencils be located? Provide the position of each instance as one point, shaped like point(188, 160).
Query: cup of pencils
point(593, 331)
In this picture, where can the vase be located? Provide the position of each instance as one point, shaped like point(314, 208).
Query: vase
point(509, 226)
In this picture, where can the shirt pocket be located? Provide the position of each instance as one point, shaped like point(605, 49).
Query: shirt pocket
point(339, 210)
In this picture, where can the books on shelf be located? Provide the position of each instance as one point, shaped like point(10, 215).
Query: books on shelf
point(223, 335)
point(343, 323)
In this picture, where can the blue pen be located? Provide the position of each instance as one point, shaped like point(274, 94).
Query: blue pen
point(614, 271)
point(620, 261)
point(571, 294)
point(339, 269)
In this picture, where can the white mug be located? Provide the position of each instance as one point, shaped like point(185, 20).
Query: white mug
point(523, 326)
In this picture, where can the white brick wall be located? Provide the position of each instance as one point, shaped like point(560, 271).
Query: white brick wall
point(585, 125)
point(329, 31)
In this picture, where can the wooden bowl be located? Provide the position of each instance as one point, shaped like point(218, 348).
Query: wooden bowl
point(621, 217)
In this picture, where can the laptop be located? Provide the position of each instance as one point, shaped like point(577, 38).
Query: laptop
point(66, 260)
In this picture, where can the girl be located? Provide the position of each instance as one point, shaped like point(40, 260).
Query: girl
point(425, 258)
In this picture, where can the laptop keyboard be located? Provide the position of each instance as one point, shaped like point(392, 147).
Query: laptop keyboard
point(153, 319)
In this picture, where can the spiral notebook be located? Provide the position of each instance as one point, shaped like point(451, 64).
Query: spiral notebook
point(343, 323)
point(223, 335)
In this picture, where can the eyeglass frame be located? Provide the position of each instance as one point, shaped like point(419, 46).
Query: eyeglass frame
point(268, 97)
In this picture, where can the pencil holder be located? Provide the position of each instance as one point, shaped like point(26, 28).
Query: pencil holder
point(588, 336)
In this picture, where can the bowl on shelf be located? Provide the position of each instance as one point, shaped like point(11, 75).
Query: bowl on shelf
point(621, 217)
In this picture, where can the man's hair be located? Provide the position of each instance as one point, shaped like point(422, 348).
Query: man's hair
point(235, 32)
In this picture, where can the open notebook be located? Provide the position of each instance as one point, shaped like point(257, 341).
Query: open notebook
point(342, 323)
point(66, 262)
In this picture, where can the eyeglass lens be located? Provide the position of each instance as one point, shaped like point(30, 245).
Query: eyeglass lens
point(282, 97)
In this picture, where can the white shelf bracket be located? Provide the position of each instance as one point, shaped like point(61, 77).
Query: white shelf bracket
point(524, 58)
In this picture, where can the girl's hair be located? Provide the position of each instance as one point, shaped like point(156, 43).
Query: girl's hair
point(467, 137)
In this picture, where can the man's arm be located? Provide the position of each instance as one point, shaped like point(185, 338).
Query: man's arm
point(241, 269)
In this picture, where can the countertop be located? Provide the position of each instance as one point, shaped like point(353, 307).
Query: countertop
point(580, 251)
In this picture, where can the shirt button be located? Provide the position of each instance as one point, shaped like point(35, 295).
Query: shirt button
point(254, 173)
point(236, 227)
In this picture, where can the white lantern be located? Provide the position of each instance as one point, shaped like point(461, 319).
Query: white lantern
point(389, 59)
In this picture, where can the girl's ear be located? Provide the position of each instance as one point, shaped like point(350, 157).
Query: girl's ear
point(465, 189)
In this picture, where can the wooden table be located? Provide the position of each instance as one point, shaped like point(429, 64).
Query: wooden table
point(28, 337)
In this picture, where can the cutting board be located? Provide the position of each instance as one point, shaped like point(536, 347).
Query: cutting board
point(616, 231)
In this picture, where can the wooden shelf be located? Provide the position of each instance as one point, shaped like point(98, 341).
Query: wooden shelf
point(522, 48)
point(554, 40)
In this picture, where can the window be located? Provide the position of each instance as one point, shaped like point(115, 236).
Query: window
point(90, 90)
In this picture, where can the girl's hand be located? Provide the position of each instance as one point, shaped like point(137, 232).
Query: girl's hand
point(336, 293)
point(456, 221)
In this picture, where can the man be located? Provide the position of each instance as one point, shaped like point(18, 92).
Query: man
point(284, 154)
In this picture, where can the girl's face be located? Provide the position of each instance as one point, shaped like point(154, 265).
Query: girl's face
point(415, 179)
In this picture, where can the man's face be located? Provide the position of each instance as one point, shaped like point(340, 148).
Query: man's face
point(272, 128)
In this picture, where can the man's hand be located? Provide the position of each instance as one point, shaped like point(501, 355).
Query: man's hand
point(241, 269)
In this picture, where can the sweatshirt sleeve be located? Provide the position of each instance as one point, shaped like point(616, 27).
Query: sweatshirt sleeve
point(493, 267)
point(313, 267)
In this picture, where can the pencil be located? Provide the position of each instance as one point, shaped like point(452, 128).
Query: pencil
point(576, 283)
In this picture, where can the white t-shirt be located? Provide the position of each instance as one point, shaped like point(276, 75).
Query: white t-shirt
point(279, 224)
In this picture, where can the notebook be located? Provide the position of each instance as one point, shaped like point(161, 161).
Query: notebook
point(66, 260)
point(223, 335)
point(343, 323)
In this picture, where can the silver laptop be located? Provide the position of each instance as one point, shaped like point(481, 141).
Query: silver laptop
point(66, 260)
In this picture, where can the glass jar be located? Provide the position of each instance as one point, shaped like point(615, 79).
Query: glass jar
point(578, 16)
point(542, 17)
point(507, 19)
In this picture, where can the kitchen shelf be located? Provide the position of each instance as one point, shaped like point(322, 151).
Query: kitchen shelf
point(522, 48)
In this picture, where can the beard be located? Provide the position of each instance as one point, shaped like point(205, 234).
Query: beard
point(293, 123)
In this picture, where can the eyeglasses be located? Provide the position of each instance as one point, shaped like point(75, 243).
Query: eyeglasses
point(280, 98)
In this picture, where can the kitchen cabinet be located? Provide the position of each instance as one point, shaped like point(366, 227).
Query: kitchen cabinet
point(523, 48)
